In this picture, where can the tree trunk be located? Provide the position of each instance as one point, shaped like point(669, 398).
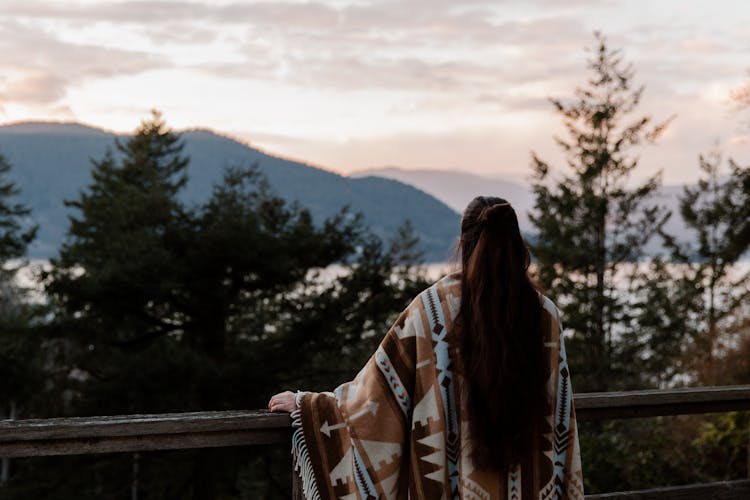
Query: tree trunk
point(602, 341)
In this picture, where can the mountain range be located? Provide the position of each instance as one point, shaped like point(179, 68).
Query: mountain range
point(51, 162)
point(456, 189)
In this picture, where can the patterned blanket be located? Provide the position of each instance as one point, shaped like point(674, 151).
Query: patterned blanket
point(398, 430)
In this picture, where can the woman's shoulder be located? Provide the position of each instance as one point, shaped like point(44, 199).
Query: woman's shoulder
point(549, 306)
point(451, 280)
point(447, 284)
point(446, 292)
point(449, 287)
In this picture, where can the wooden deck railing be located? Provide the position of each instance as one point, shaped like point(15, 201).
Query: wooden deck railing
point(86, 435)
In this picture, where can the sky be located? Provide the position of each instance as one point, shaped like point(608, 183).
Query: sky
point(352, 85)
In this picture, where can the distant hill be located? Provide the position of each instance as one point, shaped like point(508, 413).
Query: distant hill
point(51, 163)
point(456, 189)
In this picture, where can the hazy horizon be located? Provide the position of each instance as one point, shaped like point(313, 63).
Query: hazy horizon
point(521, 177)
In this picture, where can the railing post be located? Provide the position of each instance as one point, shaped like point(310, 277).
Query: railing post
point(134, 483)
point(5, 461)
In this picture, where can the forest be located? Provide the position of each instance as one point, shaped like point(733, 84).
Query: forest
point(156, 305)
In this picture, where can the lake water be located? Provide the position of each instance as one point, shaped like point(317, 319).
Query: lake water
point(28, 274)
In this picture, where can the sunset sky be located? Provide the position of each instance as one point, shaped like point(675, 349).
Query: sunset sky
point(355, 84)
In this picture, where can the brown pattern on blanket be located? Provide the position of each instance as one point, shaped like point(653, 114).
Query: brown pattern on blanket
point(397, 430)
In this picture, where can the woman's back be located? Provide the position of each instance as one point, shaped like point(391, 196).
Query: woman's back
point(400, 428)
point(467, 396)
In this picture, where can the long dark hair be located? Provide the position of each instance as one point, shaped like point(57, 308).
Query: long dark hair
point(502, 345)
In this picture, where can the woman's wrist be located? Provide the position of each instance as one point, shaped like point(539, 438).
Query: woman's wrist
point(298, 398)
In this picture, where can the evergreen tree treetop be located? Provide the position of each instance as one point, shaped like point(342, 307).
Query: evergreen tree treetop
point(15, 232)
point(166, 307)
point(154, 156)
point(590, 223)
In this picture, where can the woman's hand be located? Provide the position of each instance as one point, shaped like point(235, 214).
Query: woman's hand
point(284, 401)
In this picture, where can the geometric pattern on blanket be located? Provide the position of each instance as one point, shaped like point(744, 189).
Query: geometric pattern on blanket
point(398, 430)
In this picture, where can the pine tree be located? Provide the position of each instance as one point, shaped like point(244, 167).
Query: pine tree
point(717, 211)
point(168, 307)
point(591, 226)
point(15, 231)
point(347, 317)
point(116, 270)
point(21, 351)
point(20, 364)
point(704, 303)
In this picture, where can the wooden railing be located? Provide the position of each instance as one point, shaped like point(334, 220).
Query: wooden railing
point(86, 435)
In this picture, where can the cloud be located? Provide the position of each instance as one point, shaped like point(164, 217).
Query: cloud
point(388, 67)
point(437, 45)
point(41, 67)
point(568, 4)
point(695, 46)
point(738, 140)
point(309, 14)
point(415, 46)
point(179, 33)
point(515, 103)
point(33, 87)
point(504, 148)
point(435, 53)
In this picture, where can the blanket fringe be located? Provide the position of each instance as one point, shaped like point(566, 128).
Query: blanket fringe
point(301, 459)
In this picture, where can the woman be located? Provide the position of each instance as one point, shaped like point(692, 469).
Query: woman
point(468, 395)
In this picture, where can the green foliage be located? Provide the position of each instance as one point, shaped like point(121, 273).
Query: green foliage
point(21, 353)
point(713, 296)
point(635, 454)
point(717, 210)
point(722, 446)
point(23, 392)
point(345, 320)
point(591, 225)
point(692, 327)
point(665, 327)
point(167, 307)
point(15, 232)
point(22, 357)
point(639, 322)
